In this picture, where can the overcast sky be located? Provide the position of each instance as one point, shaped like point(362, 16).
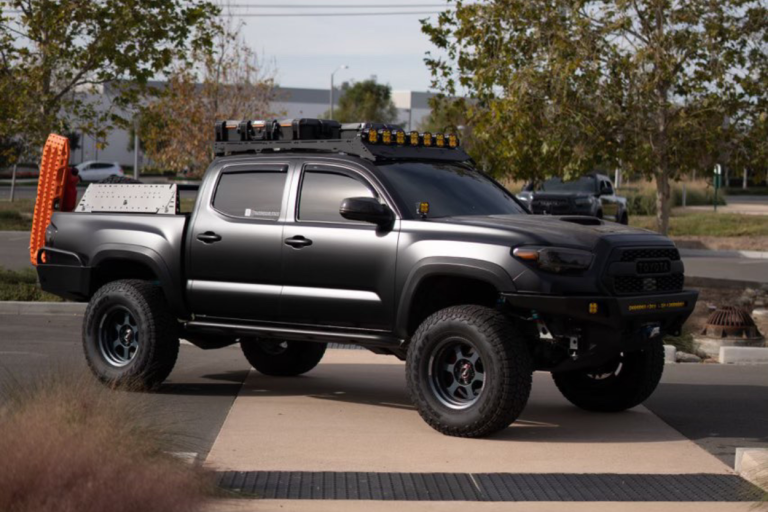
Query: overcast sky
point(306, 49)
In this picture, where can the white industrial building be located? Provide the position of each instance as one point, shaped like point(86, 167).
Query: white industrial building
point(412, 108)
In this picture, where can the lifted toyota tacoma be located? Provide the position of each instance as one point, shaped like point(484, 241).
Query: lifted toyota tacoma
point(306, 232)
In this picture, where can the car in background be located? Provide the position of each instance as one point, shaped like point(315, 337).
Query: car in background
point(96, 171)
point(592, 195)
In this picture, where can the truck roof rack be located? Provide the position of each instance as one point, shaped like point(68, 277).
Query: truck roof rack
point(372, 141)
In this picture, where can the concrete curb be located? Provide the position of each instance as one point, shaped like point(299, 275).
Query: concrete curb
point(41, 308)
point(752, 465)
point(670, 354)
point(706, 253)
point(743, 355)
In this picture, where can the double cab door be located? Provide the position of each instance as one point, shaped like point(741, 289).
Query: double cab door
point(268, 244)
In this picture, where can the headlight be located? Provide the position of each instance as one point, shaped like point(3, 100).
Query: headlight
point(583, 201)
point(557, 260)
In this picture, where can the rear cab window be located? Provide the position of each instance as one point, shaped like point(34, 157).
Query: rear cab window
point(251, 193)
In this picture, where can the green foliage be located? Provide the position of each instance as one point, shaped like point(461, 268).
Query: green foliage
point(11, 220)
point(642, 200)
point(70, 46)
point(561, 87)
point(365, 101)
point(709, 224)
point(22, 286)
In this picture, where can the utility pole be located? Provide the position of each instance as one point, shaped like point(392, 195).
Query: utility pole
point(135, 149)
point(343, 66)
point(13, 181)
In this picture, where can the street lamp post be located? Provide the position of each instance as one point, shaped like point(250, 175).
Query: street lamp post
point(343, 66)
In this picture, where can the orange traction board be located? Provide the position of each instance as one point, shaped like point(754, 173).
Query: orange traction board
point(54, 170)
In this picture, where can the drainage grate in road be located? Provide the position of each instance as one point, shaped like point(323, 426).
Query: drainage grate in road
point(488, 486)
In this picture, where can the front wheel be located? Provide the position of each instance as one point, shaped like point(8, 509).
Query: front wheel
point(282, 358)
point(469, 371)
point(625, 382)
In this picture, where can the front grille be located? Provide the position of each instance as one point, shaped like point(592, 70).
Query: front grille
point(650, 253)
point(645, 270)
point(625, 285)
point(551, 206)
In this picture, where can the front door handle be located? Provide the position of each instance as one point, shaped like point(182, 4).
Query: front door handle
point(298, 242)
point(209, 237)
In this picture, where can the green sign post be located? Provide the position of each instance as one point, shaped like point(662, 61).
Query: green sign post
point(718, 173)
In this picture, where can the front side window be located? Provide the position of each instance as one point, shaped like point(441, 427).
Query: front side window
point(450, 190)
point(250, 194)
point(323, 190)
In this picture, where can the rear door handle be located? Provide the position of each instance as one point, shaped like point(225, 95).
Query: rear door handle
point(298, 242)
point(208, 237)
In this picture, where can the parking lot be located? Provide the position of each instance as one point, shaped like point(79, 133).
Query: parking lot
point(351, 417)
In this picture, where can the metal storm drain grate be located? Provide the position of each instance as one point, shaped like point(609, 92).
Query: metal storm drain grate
point(487, 486)
point(731, 322)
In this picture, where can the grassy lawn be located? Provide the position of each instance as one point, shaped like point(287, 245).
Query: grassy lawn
point(22, 286)
point(708, 224)
point(16, 216)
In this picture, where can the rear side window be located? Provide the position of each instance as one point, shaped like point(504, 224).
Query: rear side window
point(250, 194)
point(323, 191)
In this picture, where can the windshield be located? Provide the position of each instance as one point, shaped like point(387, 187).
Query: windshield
point(583, 184)
point(450, 189)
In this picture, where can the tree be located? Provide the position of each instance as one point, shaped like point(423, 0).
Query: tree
point(52, 50)
point(365, 101)
point(176, 128)
point(656, 87)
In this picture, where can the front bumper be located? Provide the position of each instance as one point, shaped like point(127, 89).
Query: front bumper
point(670, 309)
point(603, 326)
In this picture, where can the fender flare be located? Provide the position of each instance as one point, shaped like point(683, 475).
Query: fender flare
point(480, 270)
point(145, 256)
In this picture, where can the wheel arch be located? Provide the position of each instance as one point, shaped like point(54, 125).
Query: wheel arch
point(133, 262)
point(480, 282)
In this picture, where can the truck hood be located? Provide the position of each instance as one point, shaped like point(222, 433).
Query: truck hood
point(560, 195)
point(564, 231)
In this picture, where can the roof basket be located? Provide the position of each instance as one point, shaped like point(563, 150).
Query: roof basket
point(373, 141)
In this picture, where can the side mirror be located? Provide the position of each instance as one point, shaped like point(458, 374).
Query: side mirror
point(366, 209)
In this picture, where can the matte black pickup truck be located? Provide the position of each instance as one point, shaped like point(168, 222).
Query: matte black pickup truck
point(309, 233)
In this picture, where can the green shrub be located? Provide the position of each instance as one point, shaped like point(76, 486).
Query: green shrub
point(22, 286)
point(641, 200)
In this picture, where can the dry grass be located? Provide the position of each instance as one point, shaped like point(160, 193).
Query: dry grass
point(708, 224)
point(69, 444)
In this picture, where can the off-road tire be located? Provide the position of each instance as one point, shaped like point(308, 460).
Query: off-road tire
point(637, 378)
point(508, 368)
point(296, 358)
point(119, 180)
point(624, 219)
point(158, 345)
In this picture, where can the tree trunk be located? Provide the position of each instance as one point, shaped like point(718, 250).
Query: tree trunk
point(663, 201)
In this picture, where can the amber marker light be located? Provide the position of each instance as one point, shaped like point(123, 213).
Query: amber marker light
point(414, 136)
point(453, 140)
point(522, 253)
point(427, 138)
point(400, 137)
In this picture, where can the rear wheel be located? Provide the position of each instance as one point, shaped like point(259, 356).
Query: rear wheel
point(129, 335)
point(624, 218)
point(282, 358)
point(623, 383)
point(469, 371)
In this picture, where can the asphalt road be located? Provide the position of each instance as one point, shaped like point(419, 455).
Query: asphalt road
point(718, 407)
point(193, 403)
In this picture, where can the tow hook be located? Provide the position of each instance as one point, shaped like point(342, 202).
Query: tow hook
point(652, 331)
point(573, 347)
